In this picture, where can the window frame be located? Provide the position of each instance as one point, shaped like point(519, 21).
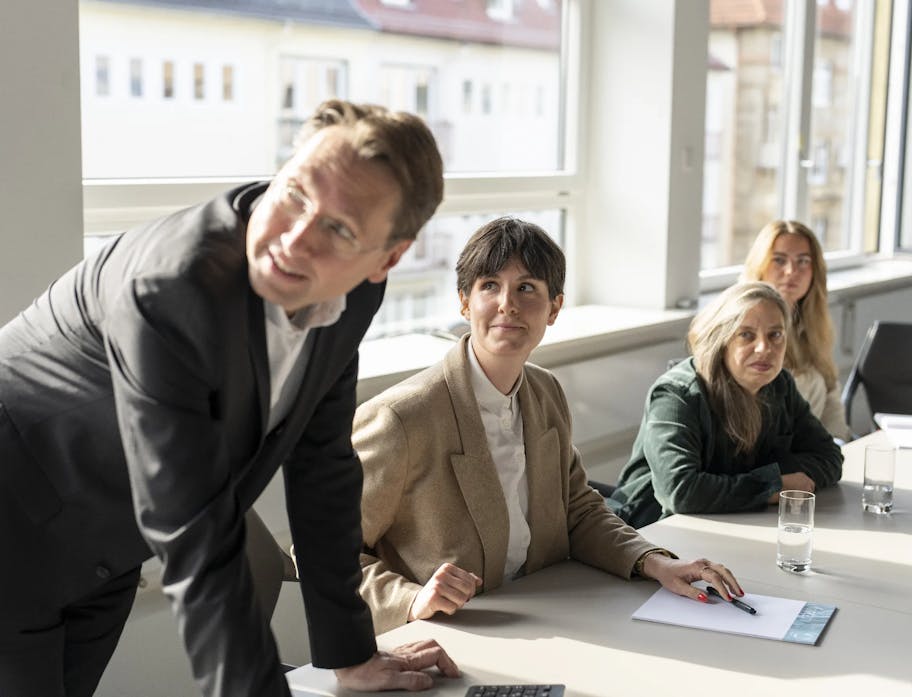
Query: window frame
point(798, 44)
point(118, 204)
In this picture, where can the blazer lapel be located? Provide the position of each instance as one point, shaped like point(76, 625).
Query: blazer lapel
point(543, 477)
point(259, 356)
point(474, 469)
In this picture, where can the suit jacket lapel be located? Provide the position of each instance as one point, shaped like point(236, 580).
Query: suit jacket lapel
point(474, 469)
point(542, 475)
point(259, 356)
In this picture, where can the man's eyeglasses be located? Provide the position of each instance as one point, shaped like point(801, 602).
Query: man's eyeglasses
point(330, 237)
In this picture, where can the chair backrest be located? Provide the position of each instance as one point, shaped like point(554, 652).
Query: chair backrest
point(884, 368)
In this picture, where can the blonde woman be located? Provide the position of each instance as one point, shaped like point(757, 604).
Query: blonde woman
point(726, 430)
point(787, 255)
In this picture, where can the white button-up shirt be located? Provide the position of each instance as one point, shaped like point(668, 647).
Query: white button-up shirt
point(502, 420)
point(288, 355)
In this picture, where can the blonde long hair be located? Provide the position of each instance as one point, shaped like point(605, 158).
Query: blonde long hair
point(710, 333)
point(810, 342)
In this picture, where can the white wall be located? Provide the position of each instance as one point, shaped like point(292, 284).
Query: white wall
point(644, 168)
point(40, 170)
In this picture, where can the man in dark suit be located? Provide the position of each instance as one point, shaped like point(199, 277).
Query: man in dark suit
point(148, 397)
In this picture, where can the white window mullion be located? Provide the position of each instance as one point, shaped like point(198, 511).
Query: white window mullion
point(862, 61)
point(799, 70)
point(896, 197)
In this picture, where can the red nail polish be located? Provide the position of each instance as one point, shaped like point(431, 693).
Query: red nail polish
point(702, 597)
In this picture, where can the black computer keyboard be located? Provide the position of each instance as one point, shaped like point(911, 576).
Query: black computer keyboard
point(515, 691)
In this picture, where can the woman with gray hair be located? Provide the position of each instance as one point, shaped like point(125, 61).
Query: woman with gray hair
point(726, 430)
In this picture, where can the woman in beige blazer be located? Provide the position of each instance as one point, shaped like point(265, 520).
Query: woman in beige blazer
point(470, 474)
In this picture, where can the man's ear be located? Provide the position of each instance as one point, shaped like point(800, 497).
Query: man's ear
point(391, 258)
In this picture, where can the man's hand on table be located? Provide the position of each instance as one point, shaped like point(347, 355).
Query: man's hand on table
point(399, 669)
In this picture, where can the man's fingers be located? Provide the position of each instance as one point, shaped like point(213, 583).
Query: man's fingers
point(411, 680)
point(432, 656)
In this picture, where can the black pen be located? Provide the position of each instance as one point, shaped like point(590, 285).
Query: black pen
point(734, 601)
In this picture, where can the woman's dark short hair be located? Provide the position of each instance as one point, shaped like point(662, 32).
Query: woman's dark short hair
point(498, 242)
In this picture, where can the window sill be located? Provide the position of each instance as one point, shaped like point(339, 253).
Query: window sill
point(588, 331)
point(581, 332)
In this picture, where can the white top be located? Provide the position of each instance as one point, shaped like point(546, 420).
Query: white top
point(502, 420)
point(825, 405)
point(288, 355)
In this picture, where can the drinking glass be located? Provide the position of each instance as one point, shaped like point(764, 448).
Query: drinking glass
point(796, 527)
point(879, 469)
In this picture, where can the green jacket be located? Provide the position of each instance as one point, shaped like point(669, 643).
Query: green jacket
point(683, 462)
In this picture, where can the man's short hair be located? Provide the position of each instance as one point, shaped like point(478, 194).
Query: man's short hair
point(498, 242)
point(402, 142)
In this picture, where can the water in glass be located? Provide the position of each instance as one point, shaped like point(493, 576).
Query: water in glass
point(793, 552)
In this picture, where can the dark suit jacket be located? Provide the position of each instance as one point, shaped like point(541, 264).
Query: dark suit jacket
point(134, 396)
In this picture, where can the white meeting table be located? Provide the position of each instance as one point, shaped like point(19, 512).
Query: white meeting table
point(572, 624)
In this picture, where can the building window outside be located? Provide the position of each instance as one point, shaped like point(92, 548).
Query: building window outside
point(502, 10)
point(304, 82)
point(833, 124)
point(431, 83)
point(228, 83)
point(408, 88)
point(441, 79)
point(820, 164)
point(741, 177)
point(102, 76)
point(168, 79)
point(746, 99)
point(486, 99)
point(822, 95)
point(136, 77)
point(199, 81)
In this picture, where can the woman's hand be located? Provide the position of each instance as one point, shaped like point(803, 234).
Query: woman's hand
point(677, 575)
point(796, 481)
point(447, 590)
point(399, 669)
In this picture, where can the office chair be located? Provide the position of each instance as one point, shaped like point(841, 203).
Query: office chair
point(884, 368)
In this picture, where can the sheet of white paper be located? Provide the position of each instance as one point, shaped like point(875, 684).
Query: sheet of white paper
point(773, 619)
point(898, 428)
point(308, 681)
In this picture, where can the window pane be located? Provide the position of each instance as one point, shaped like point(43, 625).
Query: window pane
point(136, 77)
point(744, 129)
point(102, 76)
point(484, 75)
point(167, 81)
point(421, 290)
point(199, 81)
point(227, 83)
point(833, 135)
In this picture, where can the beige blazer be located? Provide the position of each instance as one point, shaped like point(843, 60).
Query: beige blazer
point(432, 495)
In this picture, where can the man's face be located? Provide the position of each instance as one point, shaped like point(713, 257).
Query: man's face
point(323, 224)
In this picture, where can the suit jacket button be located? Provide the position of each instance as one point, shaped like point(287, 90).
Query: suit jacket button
point(102, 572)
